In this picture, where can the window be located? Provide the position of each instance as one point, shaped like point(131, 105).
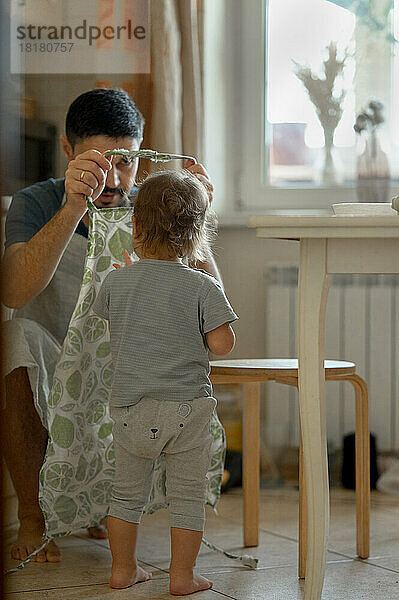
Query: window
point(295, 135)
point(263, 139)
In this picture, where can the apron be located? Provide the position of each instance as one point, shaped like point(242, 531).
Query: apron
point(53, 307)
point(34, 335)
point(78, 470)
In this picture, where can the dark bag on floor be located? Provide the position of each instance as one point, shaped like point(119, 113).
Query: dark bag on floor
point(348, 463)
point(233, 467)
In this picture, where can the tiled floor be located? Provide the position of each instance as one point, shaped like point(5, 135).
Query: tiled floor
point(84, 569)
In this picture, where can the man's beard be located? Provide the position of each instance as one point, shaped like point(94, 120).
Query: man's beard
point(125, 198)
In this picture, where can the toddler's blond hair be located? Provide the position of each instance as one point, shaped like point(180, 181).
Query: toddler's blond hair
point(173, 214)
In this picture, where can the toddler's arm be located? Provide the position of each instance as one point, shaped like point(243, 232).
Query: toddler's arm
point(221, 340)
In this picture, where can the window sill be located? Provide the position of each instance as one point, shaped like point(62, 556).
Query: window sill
point(239, 219)
point(312, 202)
point(267, 200)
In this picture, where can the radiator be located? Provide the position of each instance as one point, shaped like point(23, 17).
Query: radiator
point(362, 325)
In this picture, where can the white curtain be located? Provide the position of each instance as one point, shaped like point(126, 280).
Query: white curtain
point(176, 86)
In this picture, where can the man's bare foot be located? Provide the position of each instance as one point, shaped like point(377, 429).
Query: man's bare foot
point(124, 578)
point(183, 583)
point(30, 537)
point(99, 532)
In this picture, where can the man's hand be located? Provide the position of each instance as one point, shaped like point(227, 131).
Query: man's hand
point(128, 260)
point(200, 173)
point(85, 176)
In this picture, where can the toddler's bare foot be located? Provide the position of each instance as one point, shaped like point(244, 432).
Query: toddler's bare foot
point(183, 583)
point(30, 537)
point(124, 578)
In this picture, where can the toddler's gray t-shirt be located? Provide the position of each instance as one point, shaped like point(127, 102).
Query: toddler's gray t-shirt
point(159, 313)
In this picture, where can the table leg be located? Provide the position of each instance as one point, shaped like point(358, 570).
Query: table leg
point(251, 461)
point(303, 515)
point(313, 291)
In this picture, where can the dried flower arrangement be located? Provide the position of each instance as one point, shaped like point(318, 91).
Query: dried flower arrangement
point(370, 117)
point(328, 105)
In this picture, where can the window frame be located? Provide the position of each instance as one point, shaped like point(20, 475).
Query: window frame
point(245, 30)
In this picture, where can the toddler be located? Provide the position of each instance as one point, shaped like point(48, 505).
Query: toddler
point(164, 317)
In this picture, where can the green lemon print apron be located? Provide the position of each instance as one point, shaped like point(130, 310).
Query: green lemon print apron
point(77, 474)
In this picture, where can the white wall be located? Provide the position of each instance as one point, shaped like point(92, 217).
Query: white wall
point(242, 260)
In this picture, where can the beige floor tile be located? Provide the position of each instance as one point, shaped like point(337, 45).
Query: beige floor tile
point(271, 552)
point(32, 571)
point(85, 567)
point(151, 590)
point(347, 580)
point(384, 534)
point(278, 515)
point(357, 580)
point(387, 562)
point(276, 584)
point(81, 564)
point(57, 584)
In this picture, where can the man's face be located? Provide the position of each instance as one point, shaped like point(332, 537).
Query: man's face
point(121, 177)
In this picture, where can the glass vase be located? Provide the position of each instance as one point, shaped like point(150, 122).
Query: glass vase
point(328, 166)
point(373, 174)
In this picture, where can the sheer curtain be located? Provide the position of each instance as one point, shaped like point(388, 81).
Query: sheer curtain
point(176, 80)
point(170, 97)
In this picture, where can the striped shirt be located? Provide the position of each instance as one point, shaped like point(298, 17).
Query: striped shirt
point(159, 312)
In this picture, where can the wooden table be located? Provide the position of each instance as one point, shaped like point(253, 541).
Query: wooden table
point(328, 244)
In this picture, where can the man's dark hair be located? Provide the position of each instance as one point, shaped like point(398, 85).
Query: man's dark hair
point(107, 112)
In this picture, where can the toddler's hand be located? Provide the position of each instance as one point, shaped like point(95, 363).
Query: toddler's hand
point(128, 260)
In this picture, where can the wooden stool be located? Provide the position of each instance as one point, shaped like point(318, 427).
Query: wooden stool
point(252, 372)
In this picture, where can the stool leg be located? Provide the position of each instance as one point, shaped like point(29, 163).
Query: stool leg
point(303, 516)
point(362, 445)
point(251, 447)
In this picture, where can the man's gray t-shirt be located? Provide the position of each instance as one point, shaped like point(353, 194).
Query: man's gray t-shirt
point(159, 313)
point(33, 207)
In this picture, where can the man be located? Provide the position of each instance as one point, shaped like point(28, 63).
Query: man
point(46, 240)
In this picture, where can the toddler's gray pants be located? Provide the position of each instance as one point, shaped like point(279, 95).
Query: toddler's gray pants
point(180, 431)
